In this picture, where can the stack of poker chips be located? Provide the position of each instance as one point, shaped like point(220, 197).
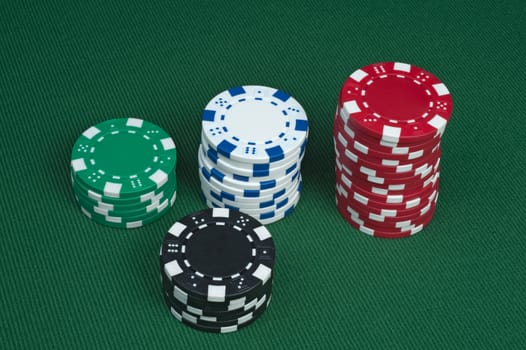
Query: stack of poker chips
point(216, 270)
point(123, 172)
point(387, 130)
point(252, 144)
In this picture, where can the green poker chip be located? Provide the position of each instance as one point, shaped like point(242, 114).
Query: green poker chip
point(123, 172)
point(123, 157)
point(124, 204)
point(119, 222)
point(127, 211)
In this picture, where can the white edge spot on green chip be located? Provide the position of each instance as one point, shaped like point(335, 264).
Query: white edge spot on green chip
point(78, 165)
point(177, 229)
point(216, 293)
point(94, 195)
point(112, 189)
point(135, 122)
point(263, 273)
point(90, 133)
point(168, 143)
point(87, 213)
point(134, 224)
point(114, 219)
point(159, 177)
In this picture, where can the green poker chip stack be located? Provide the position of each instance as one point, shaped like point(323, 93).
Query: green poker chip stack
point(123, 172)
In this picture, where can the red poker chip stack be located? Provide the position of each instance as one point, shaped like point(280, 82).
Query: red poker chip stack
point(387, 131)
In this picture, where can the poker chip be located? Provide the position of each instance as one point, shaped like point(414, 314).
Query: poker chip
point(123, 172)
point(388, 125)
point(253, 141)
point(216, 269)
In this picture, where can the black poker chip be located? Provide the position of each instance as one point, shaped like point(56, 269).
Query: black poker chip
point(216, 265)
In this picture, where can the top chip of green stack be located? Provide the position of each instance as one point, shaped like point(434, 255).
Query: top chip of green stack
point(123, 157)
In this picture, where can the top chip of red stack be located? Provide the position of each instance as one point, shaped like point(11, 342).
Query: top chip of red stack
point(396, 102)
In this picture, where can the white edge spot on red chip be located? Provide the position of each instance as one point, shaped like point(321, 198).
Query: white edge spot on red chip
point(358, 197)
point(438, 122)
point(391, 134)
point(441, 89)
point(177, 229)
point(358, 75)
point(388, 212)
point(346, 181)
point(91, 132)
point(395, 199)
point(341, 191)
point(353, 157)
point(135, 122)
point(403, 67)
point(78, 165)
point(351, 107)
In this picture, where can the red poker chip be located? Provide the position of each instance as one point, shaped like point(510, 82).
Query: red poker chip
point(391, 188)
point(341, 123)
point(405, 197)
point(386, 159)
point(410, 181)
point(351, 183)
point(369, 167)
point(396, 102)
point(376, 220)
point(401, 154)
point(419, 172)
point(385, 189)
point(366, 204)
point(387, 233)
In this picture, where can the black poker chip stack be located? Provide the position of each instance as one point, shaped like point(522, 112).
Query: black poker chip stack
point(216, 269)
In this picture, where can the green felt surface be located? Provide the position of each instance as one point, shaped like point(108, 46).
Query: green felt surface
point(69, 283)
